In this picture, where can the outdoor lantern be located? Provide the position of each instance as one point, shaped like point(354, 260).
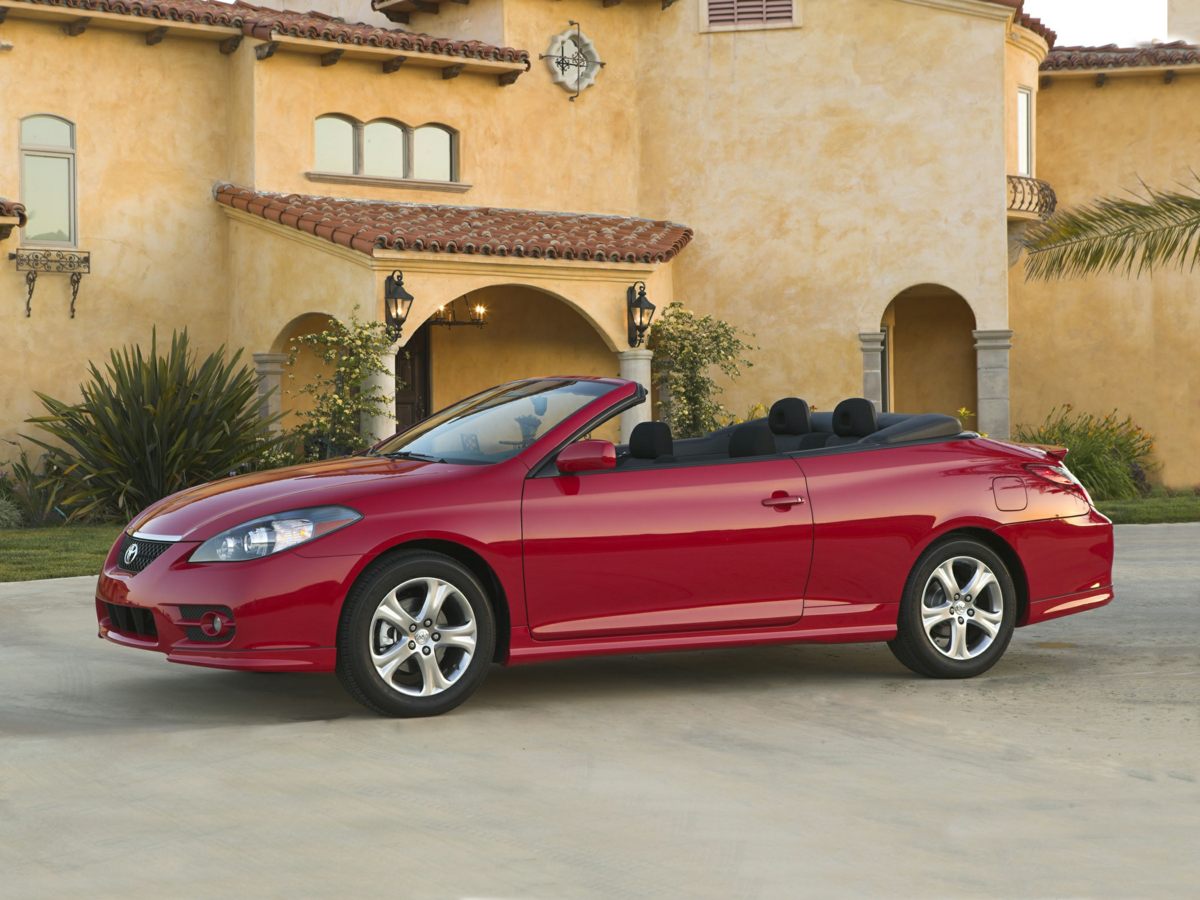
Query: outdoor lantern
point(396, 301)
point(640, 312)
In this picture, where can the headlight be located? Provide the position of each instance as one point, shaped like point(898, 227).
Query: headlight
point(270, 534)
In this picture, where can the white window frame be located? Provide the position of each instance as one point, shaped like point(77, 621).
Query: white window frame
point(72, 192)
point(796, 21)
point(1025, 165)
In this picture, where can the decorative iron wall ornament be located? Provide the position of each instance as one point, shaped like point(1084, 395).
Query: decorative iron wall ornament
point(75, 263)
point(573, 60)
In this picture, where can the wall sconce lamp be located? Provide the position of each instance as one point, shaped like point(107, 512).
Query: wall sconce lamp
point(397, 302)
point(640, 312)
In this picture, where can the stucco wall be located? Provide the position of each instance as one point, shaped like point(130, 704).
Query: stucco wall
point(834, 165)
point(1023, 53)
point(1111, 341)
point(144, 206)
point(524, 145)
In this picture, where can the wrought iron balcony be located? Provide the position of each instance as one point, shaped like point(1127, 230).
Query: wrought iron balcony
point(1030, 197)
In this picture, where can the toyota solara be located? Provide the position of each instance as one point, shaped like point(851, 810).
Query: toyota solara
point(501, 530)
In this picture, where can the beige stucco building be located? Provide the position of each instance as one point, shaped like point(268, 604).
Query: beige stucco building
point(845, 179)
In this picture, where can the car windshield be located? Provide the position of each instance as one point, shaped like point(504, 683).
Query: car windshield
point(495, 425)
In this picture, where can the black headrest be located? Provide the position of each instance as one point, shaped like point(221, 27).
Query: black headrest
point(650, 440)
point(789, 416)
point(854, 418)
point(751, 440)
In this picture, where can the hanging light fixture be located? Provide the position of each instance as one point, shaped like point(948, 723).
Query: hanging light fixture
point(640, 312)
point(397, 302)
point(445, 315)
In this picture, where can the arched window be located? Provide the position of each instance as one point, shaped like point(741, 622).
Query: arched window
point(336, 142)
point(48, 179)
point(434, 153)
point(384, 149)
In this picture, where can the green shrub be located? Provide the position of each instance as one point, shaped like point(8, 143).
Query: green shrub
point(1110, 456)
point(150, 425)
point(687, 347)
point(10, 516)
point(34, 489)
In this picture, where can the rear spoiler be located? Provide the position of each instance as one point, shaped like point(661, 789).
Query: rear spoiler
point(1052, 450)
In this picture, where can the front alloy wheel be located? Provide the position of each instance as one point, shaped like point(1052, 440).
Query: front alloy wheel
point(958, 611)
point(417, 635)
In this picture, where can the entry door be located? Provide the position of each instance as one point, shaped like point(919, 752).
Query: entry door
point(666, 549)
point(413, 373)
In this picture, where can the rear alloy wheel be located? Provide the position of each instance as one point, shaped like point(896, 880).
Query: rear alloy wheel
point(417, 636)
point(958, 611)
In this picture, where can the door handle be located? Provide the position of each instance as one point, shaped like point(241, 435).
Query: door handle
point(782, 502)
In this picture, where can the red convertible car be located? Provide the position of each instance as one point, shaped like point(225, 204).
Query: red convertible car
point(499, 530)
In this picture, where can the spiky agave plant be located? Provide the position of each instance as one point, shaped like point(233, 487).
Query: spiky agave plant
point(150, 425)
point(1126, 235)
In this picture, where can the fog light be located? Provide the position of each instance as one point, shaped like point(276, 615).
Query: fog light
point(213, 624)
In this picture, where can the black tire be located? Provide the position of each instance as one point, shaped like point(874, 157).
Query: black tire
point(360, 631)
point(921, 650)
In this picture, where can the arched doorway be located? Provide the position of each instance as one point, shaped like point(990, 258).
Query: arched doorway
point(306, 368)
point(527, 333)
point(929, 352)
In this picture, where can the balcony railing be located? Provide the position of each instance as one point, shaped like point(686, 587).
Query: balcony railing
point(1030, 197)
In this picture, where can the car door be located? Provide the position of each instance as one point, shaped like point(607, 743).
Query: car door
point(665, 548)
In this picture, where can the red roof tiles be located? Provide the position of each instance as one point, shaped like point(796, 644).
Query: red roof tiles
point(1037, 26)
point(262, 22)
point(1110, 56)
point(366, 225)
point(10, 209)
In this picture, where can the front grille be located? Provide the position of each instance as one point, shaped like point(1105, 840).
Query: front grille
point(146, 552)
point(131, 620)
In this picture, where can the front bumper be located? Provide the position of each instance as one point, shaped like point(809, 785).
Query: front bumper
point(284, 609)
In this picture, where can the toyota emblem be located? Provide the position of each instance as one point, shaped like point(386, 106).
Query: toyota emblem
point(131, 553)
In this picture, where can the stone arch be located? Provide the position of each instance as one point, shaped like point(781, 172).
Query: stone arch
point(611, 340)
point(528, 332)
point(928, 362)
point(292, 377)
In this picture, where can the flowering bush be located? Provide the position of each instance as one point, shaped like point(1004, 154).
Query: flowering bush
point(1110, 456)
point(687, 348)
point(343, 402)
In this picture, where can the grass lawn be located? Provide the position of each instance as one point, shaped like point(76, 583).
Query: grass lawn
point(1160, 506)
point(29, 553)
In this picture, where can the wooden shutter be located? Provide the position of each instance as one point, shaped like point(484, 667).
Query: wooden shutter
point(738, 12)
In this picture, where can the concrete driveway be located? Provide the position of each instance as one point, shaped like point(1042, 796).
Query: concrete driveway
point(1069, 770)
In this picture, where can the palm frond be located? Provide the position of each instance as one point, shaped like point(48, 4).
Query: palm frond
point(1126, 235)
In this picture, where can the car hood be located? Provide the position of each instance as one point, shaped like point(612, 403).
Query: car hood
point(200, 512)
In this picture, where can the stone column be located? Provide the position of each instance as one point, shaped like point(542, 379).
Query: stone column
point(635, 365)
point(871, 344)
point(269, 368)
point(991, 369)
point(384, 426)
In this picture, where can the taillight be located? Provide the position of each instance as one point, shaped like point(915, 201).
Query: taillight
point(1056, 474)
point(1061, 476)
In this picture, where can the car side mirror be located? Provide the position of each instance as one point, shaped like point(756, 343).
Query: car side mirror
point(586, 456)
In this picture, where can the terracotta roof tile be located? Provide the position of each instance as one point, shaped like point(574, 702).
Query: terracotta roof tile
point(366, 225)
point(1110, 56)
point(10, 209)
point(261, 22)
point(1037, 26)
